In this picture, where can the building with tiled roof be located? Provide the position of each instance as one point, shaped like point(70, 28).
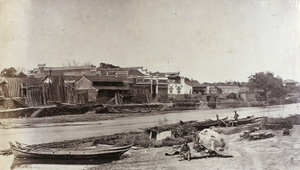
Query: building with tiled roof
point(111, 81)
point(290, 83)
point(197, 87)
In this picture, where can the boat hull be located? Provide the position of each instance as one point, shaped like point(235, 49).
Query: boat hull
point(72, 155)
point(242, 121)
point(207, 124)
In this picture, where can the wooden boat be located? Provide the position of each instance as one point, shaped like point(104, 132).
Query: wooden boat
point(19, 163)
point(94, 148)
point(242, 121)
point(20, 150)
point(248, 119)
point(209, 123)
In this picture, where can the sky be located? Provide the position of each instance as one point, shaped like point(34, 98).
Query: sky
point(206, 40)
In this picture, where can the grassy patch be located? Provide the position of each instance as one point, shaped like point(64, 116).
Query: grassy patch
point(295, 119)
point(278, 123)
point(181, 129)
point(135, 138)
point(139, 139)
point(183, 132)
point(237, 129)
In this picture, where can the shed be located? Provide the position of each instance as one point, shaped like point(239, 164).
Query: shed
point(4, 88)
point(157, 135)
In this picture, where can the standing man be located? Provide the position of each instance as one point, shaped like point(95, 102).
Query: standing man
point(218, 120)
point(236, 116)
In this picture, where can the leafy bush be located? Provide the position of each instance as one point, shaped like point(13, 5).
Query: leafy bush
point(275, 102)
point(260, 98)
point(212, 105)
point(295, 119)
point(278, 123)
point(184, 130)
point(290, 100)
point(232, 96)
point(172, 141)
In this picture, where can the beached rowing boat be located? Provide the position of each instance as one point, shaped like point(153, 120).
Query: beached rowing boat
point(209, 123)
point(242, 121)
point(20, 150)
point(248, 119)
point(93, 148)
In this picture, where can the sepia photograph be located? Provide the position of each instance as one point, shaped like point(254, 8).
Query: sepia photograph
point(149, 84)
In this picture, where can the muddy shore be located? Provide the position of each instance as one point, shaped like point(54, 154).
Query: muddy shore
point(86, 117)
point(278, 152)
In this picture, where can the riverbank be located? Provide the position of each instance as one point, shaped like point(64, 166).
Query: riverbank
point(55, 135)
point(29, 117)
point(278, 152)
point(26, 122)
point(23, 117)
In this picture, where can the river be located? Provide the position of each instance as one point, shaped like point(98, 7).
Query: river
point(56, 132)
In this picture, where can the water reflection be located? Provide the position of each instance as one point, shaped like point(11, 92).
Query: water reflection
point(23, 163)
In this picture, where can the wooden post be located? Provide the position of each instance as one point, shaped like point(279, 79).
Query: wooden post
point(157, 85)
point(151, 85)
point(116, 98)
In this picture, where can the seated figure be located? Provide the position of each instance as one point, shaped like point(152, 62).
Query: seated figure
point(222, 145)
point(185, 152)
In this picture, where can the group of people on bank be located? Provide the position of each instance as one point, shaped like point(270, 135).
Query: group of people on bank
point(185, 151)
point(198, 146)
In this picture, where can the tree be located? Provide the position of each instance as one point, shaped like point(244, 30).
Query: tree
point(12, 72)
point(21, 72)
point(22, 75)
point(9, 72)
point(219, 89)
point(231, 96)
point(106, 65)
point(74, 63)
point(231, 82)
point(71, 63)
point(266, 82)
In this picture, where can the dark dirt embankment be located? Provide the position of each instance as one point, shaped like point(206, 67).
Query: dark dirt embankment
point(45, 111)
point(17, 113)
point(68, 109)
point(64, 110)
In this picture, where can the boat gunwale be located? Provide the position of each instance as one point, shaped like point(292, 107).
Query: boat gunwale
point(25, 146)
point(208, 123)
point(72, 154)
